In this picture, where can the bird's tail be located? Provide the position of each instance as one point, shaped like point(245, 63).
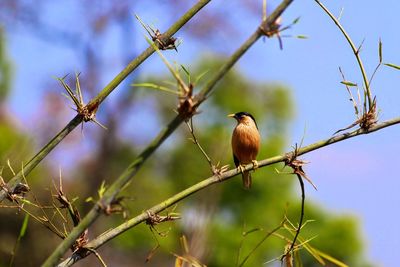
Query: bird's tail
point(246, 177)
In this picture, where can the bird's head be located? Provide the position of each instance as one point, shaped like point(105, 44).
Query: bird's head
point(243, 117)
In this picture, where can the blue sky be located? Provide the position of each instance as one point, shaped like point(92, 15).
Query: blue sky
point(357, 176)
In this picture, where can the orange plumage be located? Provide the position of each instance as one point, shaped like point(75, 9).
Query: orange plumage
point(245, 143)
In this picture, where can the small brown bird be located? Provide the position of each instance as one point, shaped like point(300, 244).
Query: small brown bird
point(245, 143)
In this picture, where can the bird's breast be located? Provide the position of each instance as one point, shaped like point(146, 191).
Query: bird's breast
point(245, 143)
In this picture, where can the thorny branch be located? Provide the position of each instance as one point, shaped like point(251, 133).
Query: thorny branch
point(95, 102)
point(356, 52)
point(369, 115)
point(133, 168)
point(109, 235)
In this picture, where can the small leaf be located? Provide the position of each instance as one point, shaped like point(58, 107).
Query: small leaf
point(296, 20)
point(330, 258)
point(302, 36)
point(186, 72)
point(348, 83)
point(27, 202)
point(198, 78)
point(155, 86)
point(251, 231)
point(102, 189)
point(380, 50)
point(397, 67)
point(89, 199)
point(24, 226)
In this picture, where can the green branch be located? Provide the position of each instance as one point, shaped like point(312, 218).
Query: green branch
point(133, 168)
point(96, 101)
point(109, 235)
point(19, 177)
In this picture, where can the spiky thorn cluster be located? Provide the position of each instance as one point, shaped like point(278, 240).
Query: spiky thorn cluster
point(187, 105)
point(82, 240)
point(19, 191)
point(162, 41)
point(368, 116)
point(116, 207)
point(271, 29)
point(154, 219)
point(297, 164)
point(86, 111)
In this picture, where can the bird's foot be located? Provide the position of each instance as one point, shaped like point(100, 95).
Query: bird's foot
point(240, 168)
point(217, 170)
point(255, 164)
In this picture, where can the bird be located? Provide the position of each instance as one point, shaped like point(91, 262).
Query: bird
point(245, 144)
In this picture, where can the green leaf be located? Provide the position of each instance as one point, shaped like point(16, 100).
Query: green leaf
point(348, 83)
point(24, 226)
point(301, 36)
point(173, 72)
point(186, 72)
point(198, 78)
point(296, 20)
point(102, 189)
point(380, 50)
point(155, 86)
point(251, 231)
point(397, 67)
point(330, 258)
point(27, 202)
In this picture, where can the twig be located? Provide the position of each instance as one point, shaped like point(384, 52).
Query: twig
point(20, 236)
point(301, 217)
point(351, 95)
point(355, 52)
point(260, 242)
point(196, 142)
point(98, 257)
point(109, 235)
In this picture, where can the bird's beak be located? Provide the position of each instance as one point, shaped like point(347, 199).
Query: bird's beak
point(231, 115)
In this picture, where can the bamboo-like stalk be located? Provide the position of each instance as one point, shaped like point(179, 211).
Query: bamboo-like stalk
point(32, 163)
point(356, 53)
point(19, 177)
point(112, 233)
point(132, 169)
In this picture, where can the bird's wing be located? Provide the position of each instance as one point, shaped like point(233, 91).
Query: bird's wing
point(235, 159)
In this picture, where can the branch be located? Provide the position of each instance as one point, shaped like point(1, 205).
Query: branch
point(356, 53)
point(19, 177)
point(95, 102)
point(110, 234)
point(137, 163)
point(301, 216)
